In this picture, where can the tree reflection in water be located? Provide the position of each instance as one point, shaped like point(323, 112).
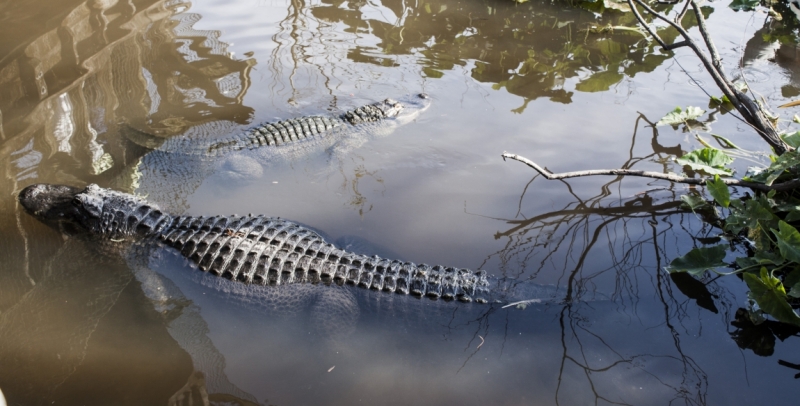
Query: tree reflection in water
point(532, 50)
point(637, 235)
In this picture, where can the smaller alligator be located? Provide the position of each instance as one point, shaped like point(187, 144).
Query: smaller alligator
point(256, 250)
point(377, 117)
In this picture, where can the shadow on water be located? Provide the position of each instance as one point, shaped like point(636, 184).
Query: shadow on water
point(82, 326)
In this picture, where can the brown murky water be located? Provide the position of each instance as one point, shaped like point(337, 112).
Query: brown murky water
point(82, 327)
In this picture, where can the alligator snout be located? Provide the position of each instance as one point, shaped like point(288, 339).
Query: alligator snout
point(41, 199)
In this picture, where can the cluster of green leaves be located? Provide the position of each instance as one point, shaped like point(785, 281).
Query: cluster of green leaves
point(765, 223)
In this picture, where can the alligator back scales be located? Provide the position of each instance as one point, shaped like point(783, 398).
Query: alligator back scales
point(271, 251)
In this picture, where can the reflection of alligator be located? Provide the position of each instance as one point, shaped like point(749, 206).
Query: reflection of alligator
point(256, 250)
point(371, 117)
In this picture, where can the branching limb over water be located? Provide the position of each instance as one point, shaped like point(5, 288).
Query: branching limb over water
point(784, 186)
point(752, 113)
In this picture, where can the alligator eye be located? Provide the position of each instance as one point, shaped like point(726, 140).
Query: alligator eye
point(77, 202)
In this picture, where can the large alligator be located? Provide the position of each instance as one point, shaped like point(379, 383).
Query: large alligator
point(379, 117)
point(257, 250)
point(176, 166)
point(252, 253)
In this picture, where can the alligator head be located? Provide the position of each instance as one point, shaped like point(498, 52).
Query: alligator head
point(406, 109)
point(92, 210)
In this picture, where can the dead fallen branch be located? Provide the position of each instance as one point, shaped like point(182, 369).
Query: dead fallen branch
point(784, 186)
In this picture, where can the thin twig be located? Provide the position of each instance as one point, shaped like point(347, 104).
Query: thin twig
point(679, 18)
point(792, 184)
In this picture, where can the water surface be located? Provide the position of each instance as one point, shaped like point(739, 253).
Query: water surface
point(78, 326)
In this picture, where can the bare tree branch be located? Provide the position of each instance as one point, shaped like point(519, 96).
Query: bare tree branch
point(750, 111)
point(701, 24)
point(792, 184)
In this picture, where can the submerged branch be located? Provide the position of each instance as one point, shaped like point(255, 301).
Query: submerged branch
point(792, 184)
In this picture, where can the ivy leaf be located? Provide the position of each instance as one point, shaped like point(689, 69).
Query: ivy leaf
point(709, 160)
point(679, 116)
point(768, 292)
point(788, 241)
point(719, 191)
point(699, 260)
point(743, 5)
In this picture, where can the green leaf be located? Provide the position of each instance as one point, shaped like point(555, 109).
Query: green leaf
point(724, 142)
point(699, 260)
point(793, 215)
point(768, 257)
point(747, 215)
point(678, 116)
point(768, 292)
point(788, 241)
point(792, 280)
point(719, 191)
point(761, 257)
point(709, 160)
point(723, 103)
point(746, 262)
point(784, 162)
point(694, 202)
point(792, 139)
